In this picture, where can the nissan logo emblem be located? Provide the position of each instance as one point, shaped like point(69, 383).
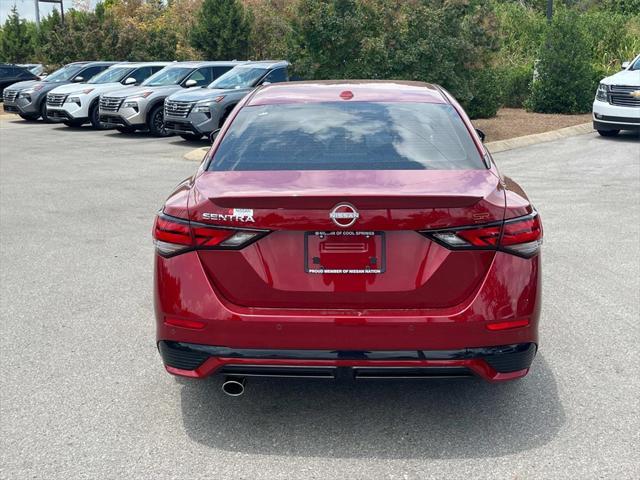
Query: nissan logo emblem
point(344, 215)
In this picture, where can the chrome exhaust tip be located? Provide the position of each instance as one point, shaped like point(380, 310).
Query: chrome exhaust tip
point(234, 386)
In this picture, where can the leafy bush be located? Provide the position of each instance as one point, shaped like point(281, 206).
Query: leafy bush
point(565, 81)
point(486, 94)
point(516, 85)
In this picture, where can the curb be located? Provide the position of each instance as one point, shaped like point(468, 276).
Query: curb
point(494, 147)
point(518, 142)
point(196, 155)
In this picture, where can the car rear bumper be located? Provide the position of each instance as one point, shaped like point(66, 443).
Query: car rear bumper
point(494, 364)
point(510, 292)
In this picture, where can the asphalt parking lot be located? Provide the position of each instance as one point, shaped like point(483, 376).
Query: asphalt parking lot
point(84, 395)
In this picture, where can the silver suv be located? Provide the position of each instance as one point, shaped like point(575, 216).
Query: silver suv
point(197, 112)
point(141, 108)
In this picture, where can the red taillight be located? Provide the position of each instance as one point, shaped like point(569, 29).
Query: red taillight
point(521, 236)
point(175, 235)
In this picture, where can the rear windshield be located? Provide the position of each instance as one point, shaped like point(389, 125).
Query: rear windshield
point(347, 136)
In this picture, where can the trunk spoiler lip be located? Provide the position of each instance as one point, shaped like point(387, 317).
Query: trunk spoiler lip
point(325, 202)
point(367, 189)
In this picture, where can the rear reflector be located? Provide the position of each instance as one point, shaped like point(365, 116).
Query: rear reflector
point(174, 235)
point(177, 322)
point(507, 325)
point(521, 236)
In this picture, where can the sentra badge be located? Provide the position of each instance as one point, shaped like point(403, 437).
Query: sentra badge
point(234, 215)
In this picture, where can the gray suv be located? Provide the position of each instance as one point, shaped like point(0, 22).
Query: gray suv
point(199, 112)
point(29, 99)
point(141, 108)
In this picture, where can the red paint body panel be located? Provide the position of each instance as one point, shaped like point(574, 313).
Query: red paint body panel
point(511, 290)
point(363, 91)
point(429, 296)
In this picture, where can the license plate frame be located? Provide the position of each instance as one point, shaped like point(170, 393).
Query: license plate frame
point(371, 244)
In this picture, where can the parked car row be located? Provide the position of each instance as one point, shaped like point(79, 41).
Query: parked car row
point(191, 99)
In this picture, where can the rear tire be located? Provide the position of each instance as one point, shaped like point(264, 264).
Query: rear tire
point(608, 133)
point(94, 117)
point(126, 129)
point(191, 137)
point(156, 122)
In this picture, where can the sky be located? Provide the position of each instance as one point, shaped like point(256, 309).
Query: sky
point(26, 8)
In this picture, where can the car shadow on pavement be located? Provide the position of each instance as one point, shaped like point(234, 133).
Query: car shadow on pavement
point(624, 136)
point(381, 419)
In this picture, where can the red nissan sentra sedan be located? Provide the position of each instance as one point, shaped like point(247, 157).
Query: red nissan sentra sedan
point(348, 229)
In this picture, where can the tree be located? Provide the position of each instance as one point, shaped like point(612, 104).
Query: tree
point(16, 42)
point(221, 30)
point(565, 78)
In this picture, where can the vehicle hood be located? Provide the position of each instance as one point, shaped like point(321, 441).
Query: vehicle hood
point(133, 91)
point(199, 94)
point(23, 85)
point(625, 77)
point(78, 87)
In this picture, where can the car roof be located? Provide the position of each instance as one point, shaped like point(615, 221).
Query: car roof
point(99, 63)
point(140, 64)
point(266, 63)
point(362, 90)
point(217, 63)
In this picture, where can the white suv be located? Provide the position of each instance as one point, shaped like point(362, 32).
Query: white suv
point(617, 103)
point(77, 103)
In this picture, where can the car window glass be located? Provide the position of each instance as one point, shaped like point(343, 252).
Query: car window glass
point(156, 68)
point(347, 136)
point(22, 73)
point(111, 75)
point(64, 74)
point(218, 71)
point(202, 76)
point(239, 77)
point(6, 72)
point(140, 74)
point(168, 76)
point(277, 75)
point(91, 72)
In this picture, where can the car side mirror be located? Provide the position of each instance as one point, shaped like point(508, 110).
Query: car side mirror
point(214, 134)
point(190, 83)
point(130, 81)
point(625, 65)
point(481, 134)
point(78, 79)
